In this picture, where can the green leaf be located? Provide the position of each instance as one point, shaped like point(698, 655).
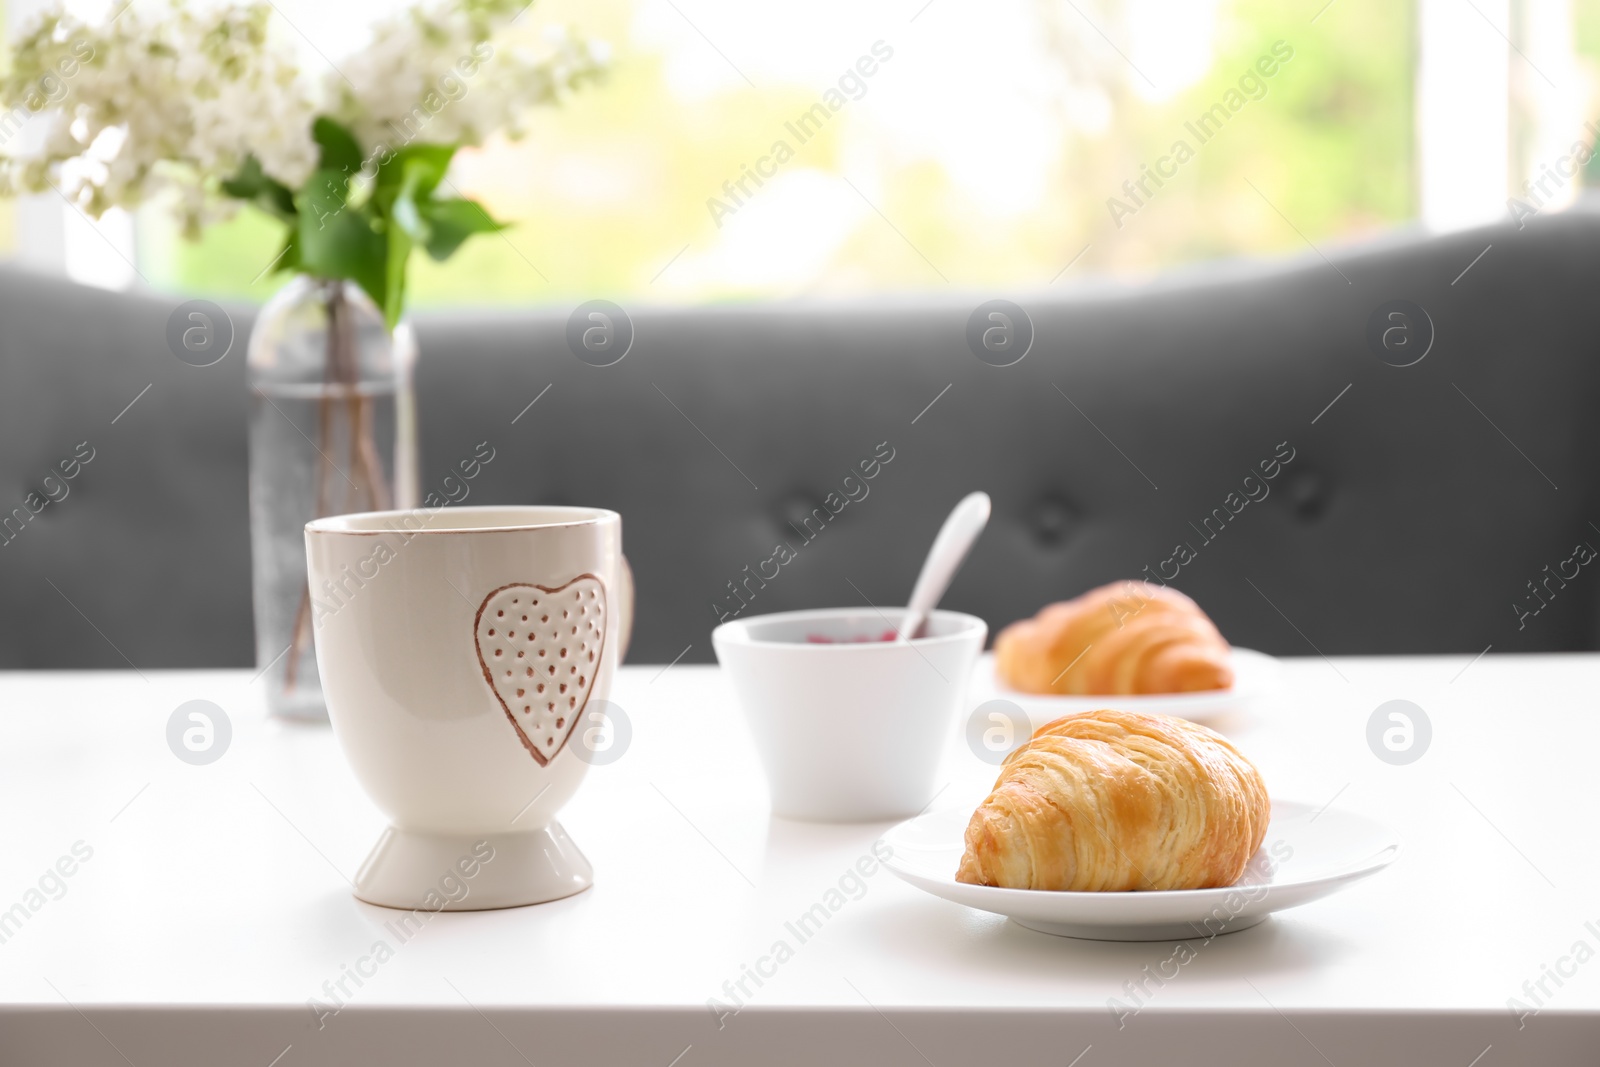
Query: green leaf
point(255, 186)
point(338, 240)
point(422, 165)
point(452, 221)
point(401, 194)
point(399, 254)
point(289, 256)
point(405, 211)
point(340, 152)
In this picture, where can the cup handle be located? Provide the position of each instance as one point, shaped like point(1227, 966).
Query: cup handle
point(624, 608)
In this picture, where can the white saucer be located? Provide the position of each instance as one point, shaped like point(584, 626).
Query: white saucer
point(1255, 674)
point(1307, 854)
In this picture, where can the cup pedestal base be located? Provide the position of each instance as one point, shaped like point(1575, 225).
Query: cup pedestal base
point(412, 870)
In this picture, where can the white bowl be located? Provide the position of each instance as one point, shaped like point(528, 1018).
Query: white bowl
point(849, 732)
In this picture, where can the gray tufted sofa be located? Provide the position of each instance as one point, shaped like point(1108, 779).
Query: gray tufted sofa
point(1431, 508)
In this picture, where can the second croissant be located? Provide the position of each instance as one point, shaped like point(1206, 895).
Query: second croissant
point(1119, 639)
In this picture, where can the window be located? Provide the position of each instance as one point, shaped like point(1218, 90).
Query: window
point(746, 151)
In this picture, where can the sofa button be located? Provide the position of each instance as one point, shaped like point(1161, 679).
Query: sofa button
point(794, 510)
point(1307, 494)
point(1054, 521)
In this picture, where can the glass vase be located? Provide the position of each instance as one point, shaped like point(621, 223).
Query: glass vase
point(332, 431)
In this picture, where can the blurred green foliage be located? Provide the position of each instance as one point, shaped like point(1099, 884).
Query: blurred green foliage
point(1586, 33)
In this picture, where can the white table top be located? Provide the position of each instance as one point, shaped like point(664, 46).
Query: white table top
point(216, 904)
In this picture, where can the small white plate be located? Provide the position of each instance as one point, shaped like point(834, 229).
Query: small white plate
point(1255, 674)
point(1307, 854)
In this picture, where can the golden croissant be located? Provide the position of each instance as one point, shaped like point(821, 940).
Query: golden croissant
point(1111, 801)
point(1119, 639)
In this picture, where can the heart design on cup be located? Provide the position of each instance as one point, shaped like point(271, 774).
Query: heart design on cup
point(540, 649)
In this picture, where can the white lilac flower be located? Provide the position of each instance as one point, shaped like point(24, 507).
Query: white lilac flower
point(435, 72)
point(159, 101)
point(167, 100)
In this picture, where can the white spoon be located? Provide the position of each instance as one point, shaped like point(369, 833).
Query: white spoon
point(949, 551)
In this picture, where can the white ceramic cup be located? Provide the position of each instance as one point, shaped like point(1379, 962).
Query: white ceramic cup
point(464, 653)
point(849, 732)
